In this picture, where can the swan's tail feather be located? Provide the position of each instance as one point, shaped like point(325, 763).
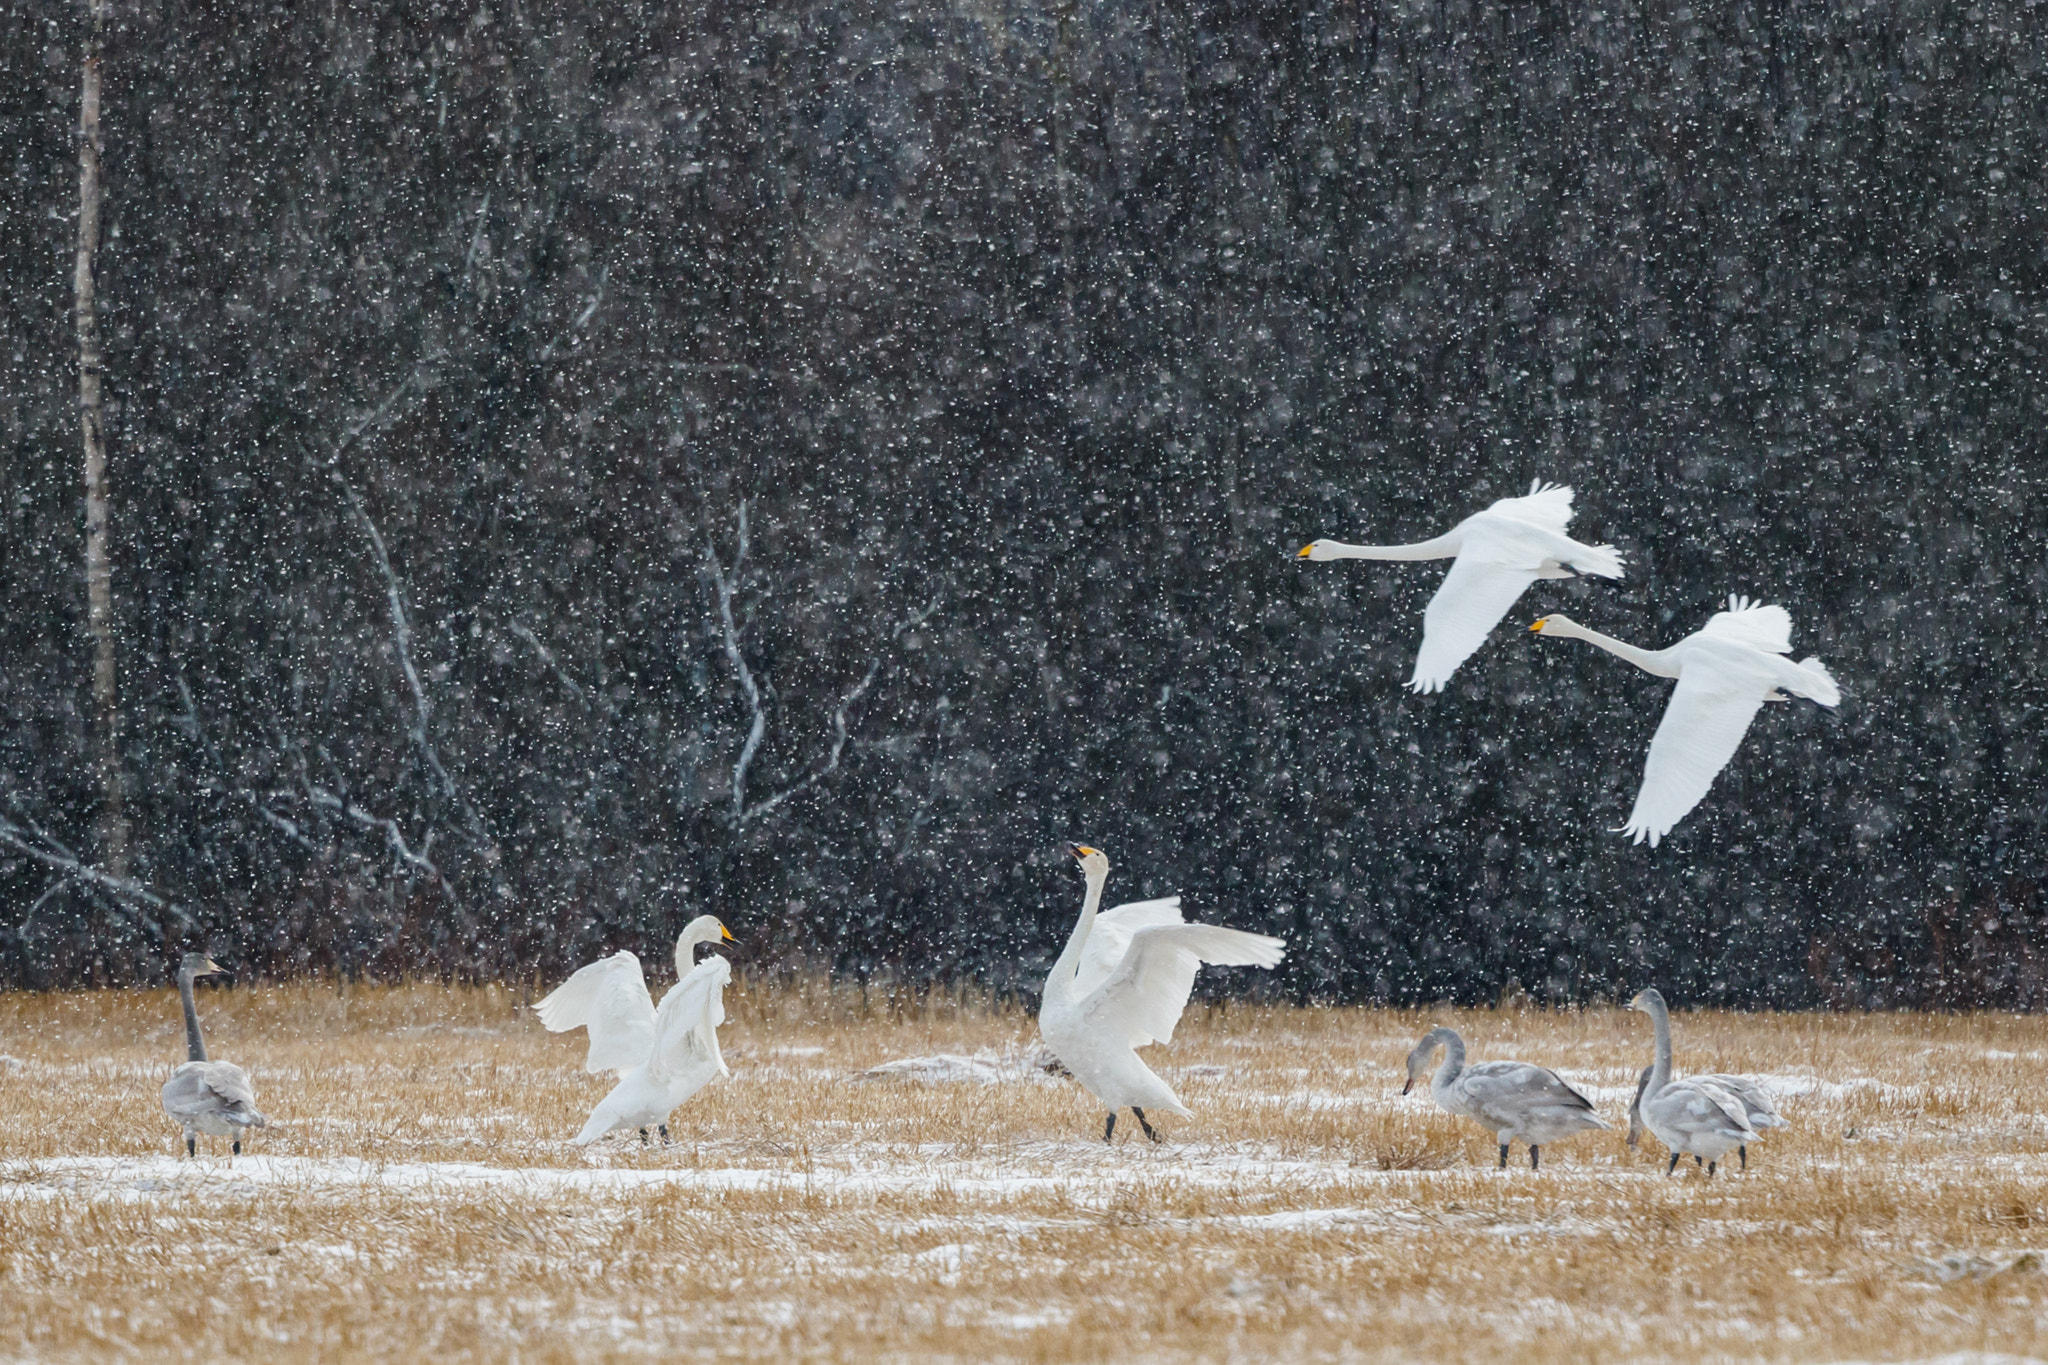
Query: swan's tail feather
point(1822, 688)
point(1602, 561)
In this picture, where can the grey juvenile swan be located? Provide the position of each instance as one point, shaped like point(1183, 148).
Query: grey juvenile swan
point(1692, 1116)
point(1514, 1099)
point(202, 1096)
point(1756, 1106)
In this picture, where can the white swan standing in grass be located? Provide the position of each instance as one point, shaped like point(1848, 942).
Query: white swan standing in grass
point(1756, 1106)
point(1690, 1117)
point(1726, 670)
point(664, 1055)
point(1121, 983)
point(1498, 552)
point(202, 1096)
point(1514, 1100)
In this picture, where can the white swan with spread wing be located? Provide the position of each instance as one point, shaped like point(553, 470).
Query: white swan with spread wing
point(1726, 670)
point(1496, 554)
point(663, 1055)
point(1121, 983)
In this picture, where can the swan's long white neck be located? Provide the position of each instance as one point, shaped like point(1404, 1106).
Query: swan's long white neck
point(1657, 661)
point(1660, 1074)
point(1068, 967)
point(1442, 547)
point(686, 946)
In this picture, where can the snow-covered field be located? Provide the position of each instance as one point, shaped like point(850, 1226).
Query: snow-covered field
point(901, 1181)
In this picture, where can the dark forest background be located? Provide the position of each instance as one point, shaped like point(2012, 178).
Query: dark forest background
point(468, 362)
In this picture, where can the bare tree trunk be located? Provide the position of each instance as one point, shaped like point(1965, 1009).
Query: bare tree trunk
point(99, 577)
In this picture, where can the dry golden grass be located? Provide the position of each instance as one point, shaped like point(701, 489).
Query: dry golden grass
point(414, 1196)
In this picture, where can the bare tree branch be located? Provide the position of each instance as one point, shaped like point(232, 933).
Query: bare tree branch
point(831, 763)
point(547, 656)
point(758, 726)
point(36, 843)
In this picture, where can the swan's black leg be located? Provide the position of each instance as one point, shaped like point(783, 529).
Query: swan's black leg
point(1533, 1149)
point(643, 1139)
point(1698, 1160)
point(1744, 1153)
point(1108, 1129)
point(663, 1128)
point(1710, 1170)
point(1142, 1124)
point(191, 1146)
point(238, 1146)
point(1674, 1164)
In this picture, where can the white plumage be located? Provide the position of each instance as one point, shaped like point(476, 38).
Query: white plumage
point(1515, 1101)
point(1121, 984)
point(664, 1055)
point(1726, 670)
point(1498, 552)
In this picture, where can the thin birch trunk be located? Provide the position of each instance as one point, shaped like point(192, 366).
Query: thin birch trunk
point(99, 577)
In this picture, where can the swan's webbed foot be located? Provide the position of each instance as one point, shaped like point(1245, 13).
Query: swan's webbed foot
point(663, 1130)
point(1674, 1163)
point(1142, 1124)
point(1109, 1129)
point(1503, 1156)
point(644, 1142)
point(1533, 1150)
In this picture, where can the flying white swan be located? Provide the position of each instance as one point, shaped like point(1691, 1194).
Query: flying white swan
point(663, 1055)
point(1513, 1099)
point(1692, 1116)
point(1756, 1106)
point(204, 1096)
point(1726, 670)
point(1121, 983)
point(1499, 552)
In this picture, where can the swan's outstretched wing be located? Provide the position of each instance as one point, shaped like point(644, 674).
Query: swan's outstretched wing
point(1475, 594)
point(610, 999)
point(1111, 938)
point(1710, 711)
point(686, 1025)
point(1142, 1001)
point(1546, 504)
point(1752, 623)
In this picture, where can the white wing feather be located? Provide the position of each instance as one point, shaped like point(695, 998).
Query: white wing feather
point(1709, 713)
point(1475, 595)
point(686, 1025)
point(1110, 939)
point(1768, 628)
point(1143, 1000)
point(610, 999)
point(1546, 504)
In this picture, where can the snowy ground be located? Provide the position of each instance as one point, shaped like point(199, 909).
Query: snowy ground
point(911, 1184)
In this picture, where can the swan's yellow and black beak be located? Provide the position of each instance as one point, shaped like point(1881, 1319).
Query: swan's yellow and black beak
point(1080, 850)
point(726, 934)
point(1637, 1003)
point(213, 966)
point(1408, 1087)
point(1537, 624)
point(1304, 552)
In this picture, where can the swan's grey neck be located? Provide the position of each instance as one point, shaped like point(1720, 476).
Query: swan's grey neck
point(1660, 1072)
point(1454, 1057)
point(1655, 661)
point(1442, 547)
point(1069, 965)
point(195, 1045)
